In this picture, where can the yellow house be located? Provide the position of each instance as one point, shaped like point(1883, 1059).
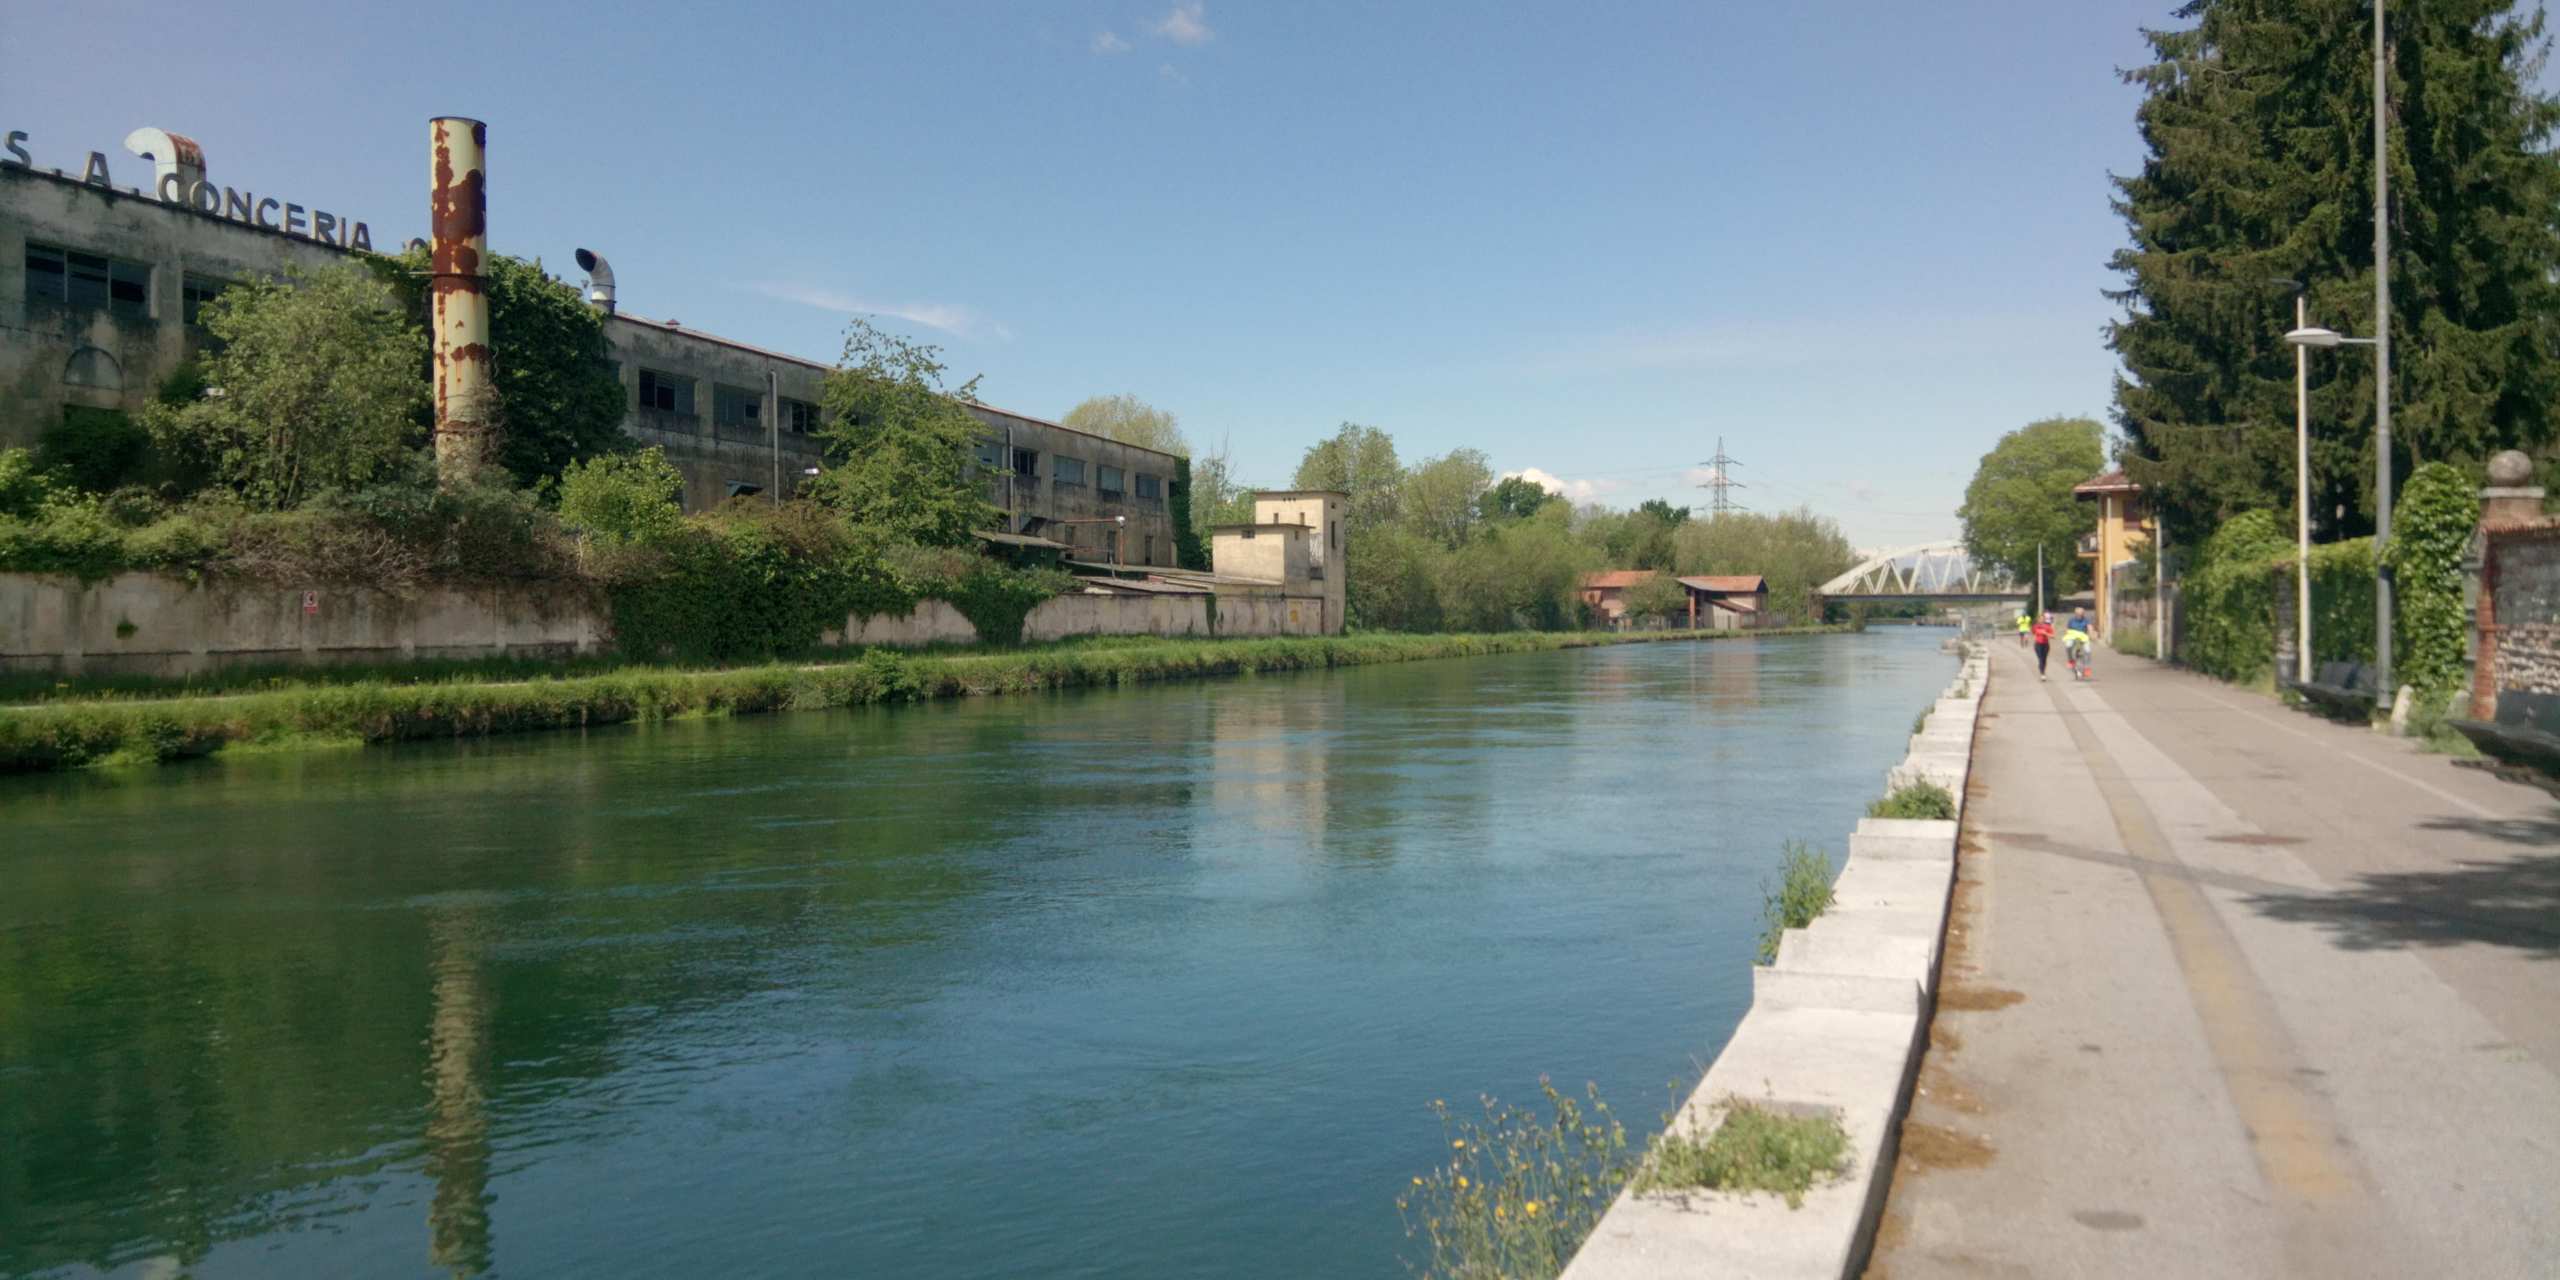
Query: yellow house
point(2121, 517)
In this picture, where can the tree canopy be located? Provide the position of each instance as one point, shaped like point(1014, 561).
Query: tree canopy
point(559, 399)
point(2020, 499)
point(1129, 420)
point(1515, 498)
point(312, 385)
point(1359, 461)
point(2257, 120)
point(899, 445)
point(1797, 551)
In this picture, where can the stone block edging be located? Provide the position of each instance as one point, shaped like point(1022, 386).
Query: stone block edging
point(1837, 1023)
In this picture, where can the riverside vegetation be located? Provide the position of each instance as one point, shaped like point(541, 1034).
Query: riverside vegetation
point(1924, 799)
point(127, 729)
point(1802, 894)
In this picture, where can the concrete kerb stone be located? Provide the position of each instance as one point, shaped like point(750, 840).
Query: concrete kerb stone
point(1900, 884)
point(1836, 1023)
point(1851, 1064)
point(1925, 839)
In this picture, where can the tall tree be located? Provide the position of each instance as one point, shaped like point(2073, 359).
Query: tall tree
point(1361, 462)
point(1440, 495)
point(1796, 551)
point(312, 385)
point(1130, 420)
point(2020, 499)
point(2258, 122)
point(899, 444)
point(1515, 498)
point(1670, 516)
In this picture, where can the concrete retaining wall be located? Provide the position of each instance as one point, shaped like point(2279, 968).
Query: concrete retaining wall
point(146, 624)
point(1836, 1024)
point(1119, 616)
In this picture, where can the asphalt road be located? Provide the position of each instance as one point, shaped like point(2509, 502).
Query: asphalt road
point(2231, 990)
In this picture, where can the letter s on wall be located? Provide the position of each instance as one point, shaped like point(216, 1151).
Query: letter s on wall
point(18, 154)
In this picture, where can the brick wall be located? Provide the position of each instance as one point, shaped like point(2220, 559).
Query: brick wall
point(2519, 613)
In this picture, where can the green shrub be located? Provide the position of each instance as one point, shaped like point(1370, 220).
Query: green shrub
point(1923, 799)
point(1756, 1148)
point(2230, 598)
point(94, 450)
point(2430, 530)
point(23, 487)
point(1803, 892)
point(1920, 722)
point(70, 533)
point(1520, 1189)
point(623, 498)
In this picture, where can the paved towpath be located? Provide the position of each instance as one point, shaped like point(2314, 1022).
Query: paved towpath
point(2234, 991)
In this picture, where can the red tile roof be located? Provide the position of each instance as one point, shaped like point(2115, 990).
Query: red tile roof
point(2107, 482)
point(1618, 578)
point(1728, 583)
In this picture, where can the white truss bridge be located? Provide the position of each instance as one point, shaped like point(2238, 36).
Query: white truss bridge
point(1925, 571)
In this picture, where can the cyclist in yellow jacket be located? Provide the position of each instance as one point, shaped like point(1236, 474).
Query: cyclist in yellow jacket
point(2075, 646)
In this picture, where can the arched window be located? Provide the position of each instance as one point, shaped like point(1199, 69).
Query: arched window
point(93, 367)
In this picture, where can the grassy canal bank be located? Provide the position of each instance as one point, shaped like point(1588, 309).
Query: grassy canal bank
point(314, 710)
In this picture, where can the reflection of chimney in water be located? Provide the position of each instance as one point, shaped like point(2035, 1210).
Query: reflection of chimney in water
point(458, 1103)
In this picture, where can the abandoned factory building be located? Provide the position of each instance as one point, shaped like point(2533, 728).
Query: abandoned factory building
point(101, 286)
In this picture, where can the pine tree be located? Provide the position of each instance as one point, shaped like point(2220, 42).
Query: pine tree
point(2258, 121)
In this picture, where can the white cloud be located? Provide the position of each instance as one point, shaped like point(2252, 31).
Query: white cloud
point(1185, 25)
point(1171, 75)
point(1108, 42)
point(1698, 476)
point(1573, 490)
point(949, 317)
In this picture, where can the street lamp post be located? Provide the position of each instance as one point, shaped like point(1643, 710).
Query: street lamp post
point(2301, 496)
point(2381, 367)
point(2303, 338)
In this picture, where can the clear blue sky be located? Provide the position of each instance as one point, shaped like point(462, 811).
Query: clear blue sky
point(1857, 240)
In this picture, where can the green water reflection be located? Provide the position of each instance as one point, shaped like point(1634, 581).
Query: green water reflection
point(1150, 982)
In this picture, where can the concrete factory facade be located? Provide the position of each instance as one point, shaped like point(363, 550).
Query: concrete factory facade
point(101, 283)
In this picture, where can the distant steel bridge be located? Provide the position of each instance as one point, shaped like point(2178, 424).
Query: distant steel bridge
point(1934, 571)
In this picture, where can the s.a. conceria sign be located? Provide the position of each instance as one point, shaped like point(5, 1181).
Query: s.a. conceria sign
point(178, 168)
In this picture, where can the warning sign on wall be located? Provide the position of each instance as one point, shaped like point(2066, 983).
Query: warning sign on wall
point(310, 602)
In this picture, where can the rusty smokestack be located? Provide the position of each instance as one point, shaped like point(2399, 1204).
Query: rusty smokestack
point(458, 222)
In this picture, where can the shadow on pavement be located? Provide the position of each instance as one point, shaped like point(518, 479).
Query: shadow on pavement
point(2513, 902)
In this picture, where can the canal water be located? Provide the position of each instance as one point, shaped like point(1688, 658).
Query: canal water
point(1155, 982)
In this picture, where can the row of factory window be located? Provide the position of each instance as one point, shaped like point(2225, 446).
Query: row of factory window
point(118, 286)
point(1070, 471)
point(731, 406)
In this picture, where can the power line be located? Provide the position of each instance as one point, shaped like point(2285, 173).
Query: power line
point(1720, 482)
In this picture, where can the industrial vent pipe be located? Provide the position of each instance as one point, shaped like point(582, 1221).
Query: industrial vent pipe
point(458, 221)
point(599, 279)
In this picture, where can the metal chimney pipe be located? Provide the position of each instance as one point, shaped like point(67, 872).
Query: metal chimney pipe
point(599, 279)
point(458, 221)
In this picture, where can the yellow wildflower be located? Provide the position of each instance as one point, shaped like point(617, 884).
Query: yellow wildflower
point(1530, 1208)
point(1462, 1182)
point(1417, 1182)
point(1458, 1144)
point(1497, 1211)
